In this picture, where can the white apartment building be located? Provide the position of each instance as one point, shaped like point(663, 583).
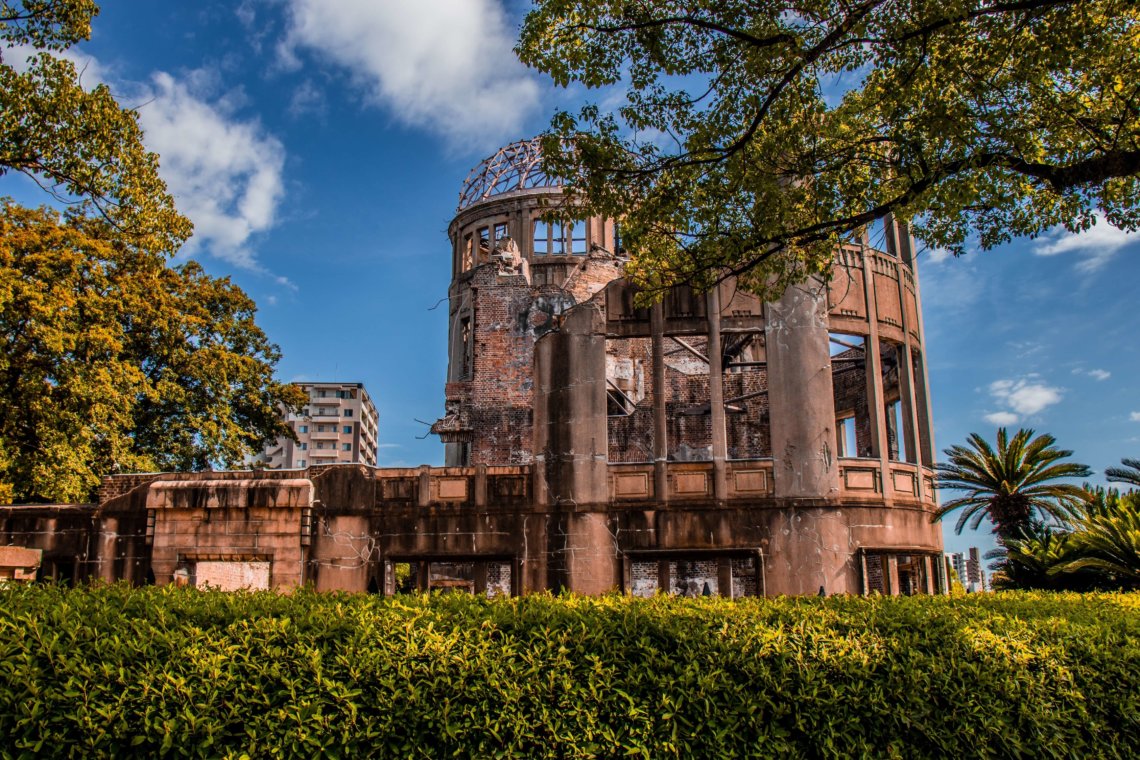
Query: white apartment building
point(338, 425)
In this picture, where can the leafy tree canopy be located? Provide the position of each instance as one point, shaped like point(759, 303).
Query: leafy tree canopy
point(111, 361)
point(756, 135)
point(79, 144)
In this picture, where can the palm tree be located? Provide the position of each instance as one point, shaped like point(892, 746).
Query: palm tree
point(1107, 540)
point(1029, 560)
point(1011, 485)
point(1129, 473)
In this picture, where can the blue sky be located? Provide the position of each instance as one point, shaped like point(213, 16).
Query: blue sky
point(319, 148)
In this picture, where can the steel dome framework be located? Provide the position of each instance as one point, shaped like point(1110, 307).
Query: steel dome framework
point(514, 167)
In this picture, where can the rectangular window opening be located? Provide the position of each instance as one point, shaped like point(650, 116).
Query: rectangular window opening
point(541, 238)
point(578, 238)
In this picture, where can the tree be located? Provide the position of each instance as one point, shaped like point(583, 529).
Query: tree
point(1106, 541)
point(1012, 485)
point(79, 144)
point(1128, 473)
point(1028, 562)
point(111, 361)
point(756, 135)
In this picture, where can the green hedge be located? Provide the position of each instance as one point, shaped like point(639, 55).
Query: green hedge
point(117, 672)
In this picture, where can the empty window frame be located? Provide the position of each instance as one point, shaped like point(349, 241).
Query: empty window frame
point(500, 231)
point(845, 436)
point(465, 338)
point(559, 238)
point(468, 253)
point(577, 237)
point(541, 238)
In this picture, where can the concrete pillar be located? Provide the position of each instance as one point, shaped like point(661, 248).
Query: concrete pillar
point(571, 425)
point(572, 433)
point(874, 372)
point(480, 485)
point(660, 422)
point(108, 540)
point(905, 248)
point(424, 490)
point(592, 565)
point(921, 382)
point(800, 393)
point(716, 396)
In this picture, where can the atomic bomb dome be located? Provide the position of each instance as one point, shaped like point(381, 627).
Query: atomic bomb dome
point(711, 443)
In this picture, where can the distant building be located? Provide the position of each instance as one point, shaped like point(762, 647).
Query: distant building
point(956, 561)
point(975, 572)
point(339, 424)
point(969, 569)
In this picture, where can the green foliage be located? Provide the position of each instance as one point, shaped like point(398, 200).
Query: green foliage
point(114, 672)
point(76, 142)
point(971, 120)
point(1128, 472)
point(112, 361)
point(1106, 540)
point(1011, 485)
point(1031, 560)
point(1097, 547)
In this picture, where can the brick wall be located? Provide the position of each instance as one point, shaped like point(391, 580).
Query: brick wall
point(508, 316)
point(114, 486)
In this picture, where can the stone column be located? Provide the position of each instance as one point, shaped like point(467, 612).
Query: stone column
point(802, 408)
point(108, 541)
point(660, 423)
point(572, 432)
point(716, 396)
point(872, 350)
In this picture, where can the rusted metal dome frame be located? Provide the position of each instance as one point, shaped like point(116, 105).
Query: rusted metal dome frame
point(514, 167)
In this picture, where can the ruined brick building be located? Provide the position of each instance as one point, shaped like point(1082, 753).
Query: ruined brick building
point(709, 444)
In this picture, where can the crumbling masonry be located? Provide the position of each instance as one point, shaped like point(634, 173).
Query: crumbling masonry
point(710, 444)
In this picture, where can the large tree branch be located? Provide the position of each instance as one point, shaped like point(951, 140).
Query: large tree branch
point(1092, 170)
point(989, 10)
point(710, 26)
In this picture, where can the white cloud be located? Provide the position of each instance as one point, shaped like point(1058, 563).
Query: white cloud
point(1095, 374)
point(308, 99)
point(1096, 245)
point(443, 65)
point(225, 173)
point(1135, 416)
point(1025, 396)
point(1002, 419)
point(938, 255)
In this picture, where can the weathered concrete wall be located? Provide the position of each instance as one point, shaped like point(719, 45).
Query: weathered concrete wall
point(62, 532)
